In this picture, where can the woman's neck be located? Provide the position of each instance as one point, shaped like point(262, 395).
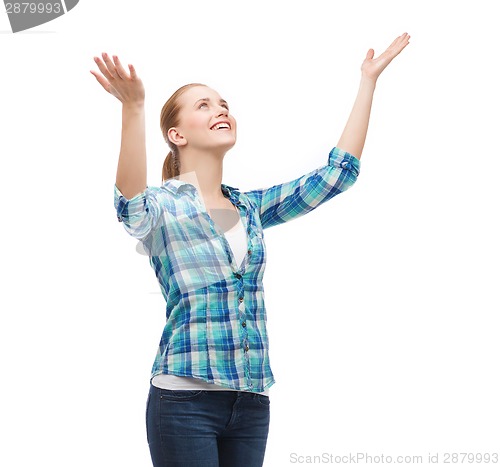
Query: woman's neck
point(204, 171)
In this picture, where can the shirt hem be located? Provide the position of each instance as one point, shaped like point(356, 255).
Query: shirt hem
point(218, 382)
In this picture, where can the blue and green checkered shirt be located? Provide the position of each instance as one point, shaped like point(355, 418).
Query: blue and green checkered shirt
point(215, 313)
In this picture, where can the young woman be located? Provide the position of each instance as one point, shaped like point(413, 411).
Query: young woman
point(208, 403)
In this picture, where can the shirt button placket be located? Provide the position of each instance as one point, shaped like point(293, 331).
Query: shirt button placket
point(246, 347)
point(241, 308)
point(247, 362)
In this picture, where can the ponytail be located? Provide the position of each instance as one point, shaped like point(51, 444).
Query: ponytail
point(170, 166)
point(169, 118)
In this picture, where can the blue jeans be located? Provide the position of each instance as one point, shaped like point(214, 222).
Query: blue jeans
point(198, 428)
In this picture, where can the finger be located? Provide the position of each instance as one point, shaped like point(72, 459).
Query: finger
point(394, 42)
point(398, 45)
point(404, 38)
point(398, 39)
point(103, 68)
point(370, 53)
point(119, 68)
point(101, 80)
point(133, 74)
point(110, 65)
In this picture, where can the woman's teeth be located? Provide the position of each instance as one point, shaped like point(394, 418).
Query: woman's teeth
point(220, 126)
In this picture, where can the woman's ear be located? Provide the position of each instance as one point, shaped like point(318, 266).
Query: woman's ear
point(175, 137)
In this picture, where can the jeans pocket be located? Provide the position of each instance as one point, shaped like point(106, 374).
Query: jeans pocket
point(180, 394)
point(263, 400)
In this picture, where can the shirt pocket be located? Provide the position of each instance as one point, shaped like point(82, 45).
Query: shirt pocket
point(258, 254)
point(197, 260)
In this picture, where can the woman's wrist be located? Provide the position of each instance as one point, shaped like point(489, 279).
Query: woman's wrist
point(368, 81)
point(133, 105)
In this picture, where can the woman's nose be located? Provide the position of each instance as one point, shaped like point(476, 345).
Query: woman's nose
point(222, 111)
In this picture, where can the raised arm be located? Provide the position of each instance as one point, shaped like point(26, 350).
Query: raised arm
point(131, 174)
point(136, 204)
point(353, 137)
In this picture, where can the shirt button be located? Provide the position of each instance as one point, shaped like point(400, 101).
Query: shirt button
point(244, 324)
point(246, 348)
point(238, 275)
point(249, 252)
point(240, 299)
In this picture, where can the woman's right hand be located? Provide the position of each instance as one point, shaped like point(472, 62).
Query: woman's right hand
point(128, 89)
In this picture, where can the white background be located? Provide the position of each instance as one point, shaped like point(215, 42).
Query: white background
point(382, 308)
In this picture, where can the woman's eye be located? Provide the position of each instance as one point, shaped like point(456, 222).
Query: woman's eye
point(202, 104)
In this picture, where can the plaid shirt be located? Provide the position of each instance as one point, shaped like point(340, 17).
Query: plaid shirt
point(215, 314)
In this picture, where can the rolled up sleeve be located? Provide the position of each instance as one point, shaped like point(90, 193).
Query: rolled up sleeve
point(346, 161)
point(139, 214)
point(287, 201)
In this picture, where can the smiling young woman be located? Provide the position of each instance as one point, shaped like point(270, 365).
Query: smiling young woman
point(196, 122)
point(208, 403)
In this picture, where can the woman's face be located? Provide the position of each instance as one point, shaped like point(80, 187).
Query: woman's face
point(205, 121)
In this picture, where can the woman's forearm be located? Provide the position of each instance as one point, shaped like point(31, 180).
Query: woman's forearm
point(131, 173)
point(353, 137)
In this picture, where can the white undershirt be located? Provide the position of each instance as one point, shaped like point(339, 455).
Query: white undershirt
point(237, 239)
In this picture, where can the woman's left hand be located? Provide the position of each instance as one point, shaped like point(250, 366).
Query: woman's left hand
point(372, 67)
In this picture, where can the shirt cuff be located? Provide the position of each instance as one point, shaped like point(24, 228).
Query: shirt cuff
point(133, 206)
point(344, 160)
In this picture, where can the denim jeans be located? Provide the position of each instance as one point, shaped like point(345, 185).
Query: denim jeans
point(203, 428)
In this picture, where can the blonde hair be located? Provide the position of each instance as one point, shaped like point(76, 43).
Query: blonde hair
point(170, 118)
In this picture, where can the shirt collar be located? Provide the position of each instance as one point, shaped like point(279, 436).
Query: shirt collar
point(175, 186)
